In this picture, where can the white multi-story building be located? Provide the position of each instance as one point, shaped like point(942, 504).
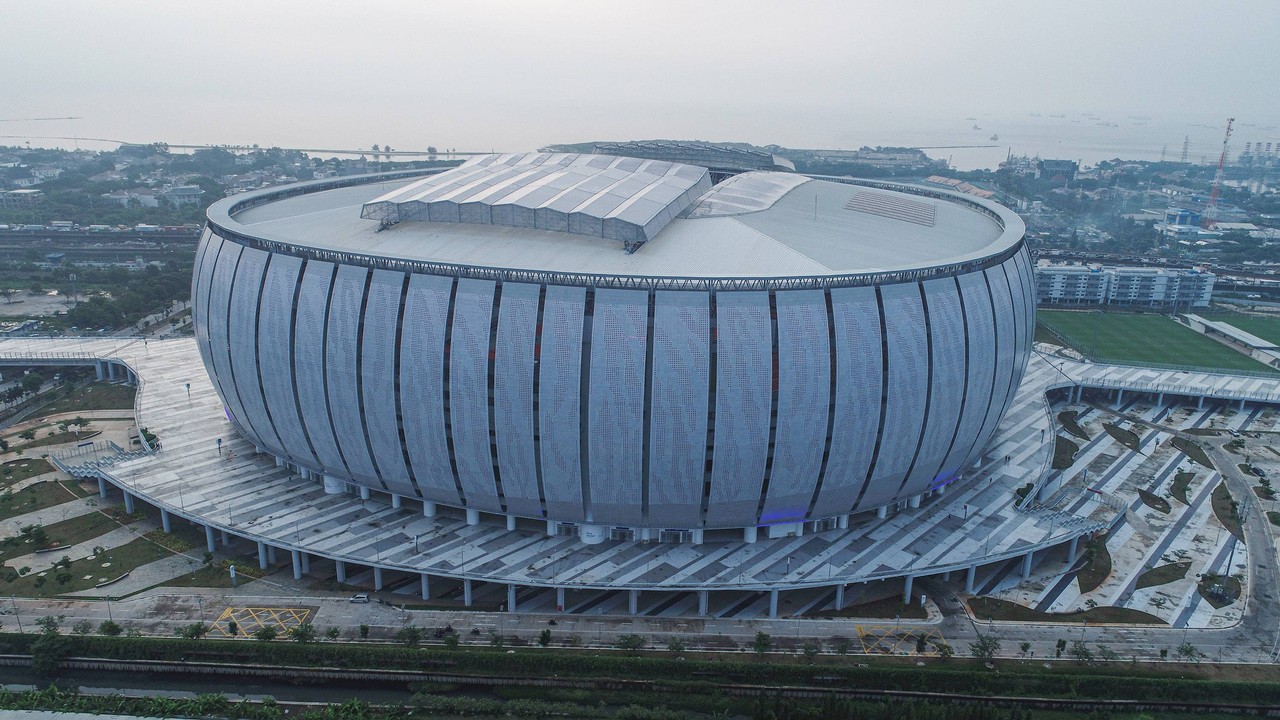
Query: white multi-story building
point(1133, 286)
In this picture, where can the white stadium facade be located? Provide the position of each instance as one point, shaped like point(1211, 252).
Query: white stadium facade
point(613, 348)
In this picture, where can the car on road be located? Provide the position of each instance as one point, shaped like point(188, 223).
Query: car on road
point(359, 598)
point(1258, 471)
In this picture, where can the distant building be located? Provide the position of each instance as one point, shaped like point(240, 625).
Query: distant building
point(137, 197)
point(1126, 286)
point(182, 195)
point(722, 161)
point(1181, 216)
point(1065, 169)
point(12, 199)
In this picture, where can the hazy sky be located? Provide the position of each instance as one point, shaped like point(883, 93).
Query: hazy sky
point(511, 76)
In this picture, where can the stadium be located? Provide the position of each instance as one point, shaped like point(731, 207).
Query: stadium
point(612, 348)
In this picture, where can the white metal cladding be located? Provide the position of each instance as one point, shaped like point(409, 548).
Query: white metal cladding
point(309, 364)
point(206, 257)
point(469, 393)
point(426, 316)
point(859, 378)
point(744, 382)
point(275, 356)
point(378, 380)
point(615, 419)
point(1028, 275)
point(678, 417)
point(513, 369)
point(908, 388)
point(980, 331)
point(804, 394)
point(342, 375)
point(1021, 338)
point(560, 401)
point(1006, 350)
point(947, 357)
point(242, 336)
point(219, 344)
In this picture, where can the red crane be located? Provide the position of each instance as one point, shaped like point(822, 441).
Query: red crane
point(1211, 210)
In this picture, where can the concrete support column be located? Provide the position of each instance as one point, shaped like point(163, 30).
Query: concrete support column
point(128, 503)
point(97, 371)
point(1200, 405)
point(633, 602)
point(511, 523)
point(553, 527)
point(1241, 404)
point(1159, 399)
point(102, 488)
point(340, 570)
point(226, 538)
point(262, 555)
point(364, 493)
point(704, 600)
point(297, 564)
point(1119, 397)
point(914, 501)
point(946, 576)
point(1026, 564)
point(210, 541)
point(425, 582)
point(511, 598)
point(306, 563)
point(429, 509)
point(906, 589)
point(395, 501)
point(697, 537)
point(882, 512)
point(749, 534)
point(773, 603)
point(111, 372)
point(559, 599)
point(839, 597)
point(377, 578)
point(271, 554)
point(473, 517)
point(1072, 548)
point(843, 522)
point(466, 592)
point(165, 521)
point(969, 578)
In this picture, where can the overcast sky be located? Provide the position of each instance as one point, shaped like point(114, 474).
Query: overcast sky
point(512, 76)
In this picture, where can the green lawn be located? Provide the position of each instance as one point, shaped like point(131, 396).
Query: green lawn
point(94, 396)
point(1267, 328)
point(1143, 339)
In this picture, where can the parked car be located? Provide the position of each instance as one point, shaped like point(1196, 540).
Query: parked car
point(359, 598)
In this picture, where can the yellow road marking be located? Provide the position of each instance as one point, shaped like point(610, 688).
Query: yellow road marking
point(249, 620)
point(896, 639)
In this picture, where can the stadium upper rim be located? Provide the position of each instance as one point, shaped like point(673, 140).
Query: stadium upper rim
point(222, 222)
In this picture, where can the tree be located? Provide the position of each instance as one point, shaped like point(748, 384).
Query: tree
point(451, 641)
point(1080, 651)
point(631, 642)
point(921, 644)
point(194, 631)
point(675, 645)
point(233, 628)
point(265, 633)
point(110, 628)
point(496, 640)
point(1106, 653)
point(986, 647)
point(49, 624)
point(1025, 647)
point(810, 649)
point(8, 294)
point(762, 643)
point(410, 635)
point(47, 653)
point(364, 632)
point(1187, 651)
point(332, 633)
point(82, 627)
point(544, 637)
point(303, 633)
point(27, 434)
point(943, 649)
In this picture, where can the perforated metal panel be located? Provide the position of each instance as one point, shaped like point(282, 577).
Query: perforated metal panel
point(378, 375)
point(219, 344)
point(946, 324)
point(804, 397)
point(859, 378)
point(242, 335)
point(1006, 350)
point(469, 393)
point(678, 417)
point(560, 401)
point(426, 317)
point(981, 333)
point(275, 356)
point(513, 398)
point(908, 387)
point(1026, 274)
point(206, 259)
point(309, 365)
point(744, 381)
point(616, 412)
point(342, 374)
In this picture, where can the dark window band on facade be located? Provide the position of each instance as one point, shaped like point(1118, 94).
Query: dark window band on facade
point(928, 390)
point(584, 414)
point(293, 365)
point(884, 403)
point(964, 391)
point(712, 336)
point(537, 401)
point(773, 407)
point(257, 358)
point(448, 414)
point(648, 408)
point(399, 352)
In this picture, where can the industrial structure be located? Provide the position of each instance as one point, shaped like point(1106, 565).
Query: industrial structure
point(611, 348)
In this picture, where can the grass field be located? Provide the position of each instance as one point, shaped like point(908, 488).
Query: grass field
point(1143, 339)
point(1266, 328)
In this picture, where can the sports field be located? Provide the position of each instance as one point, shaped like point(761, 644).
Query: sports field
point(1145, 340)
point(1267, 328)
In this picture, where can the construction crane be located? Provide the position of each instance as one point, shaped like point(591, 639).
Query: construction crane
point(1211, 210)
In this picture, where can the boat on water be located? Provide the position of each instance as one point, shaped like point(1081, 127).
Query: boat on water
point(994, 137)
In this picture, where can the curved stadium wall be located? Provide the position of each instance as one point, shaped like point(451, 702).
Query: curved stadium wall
point(645, 402)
